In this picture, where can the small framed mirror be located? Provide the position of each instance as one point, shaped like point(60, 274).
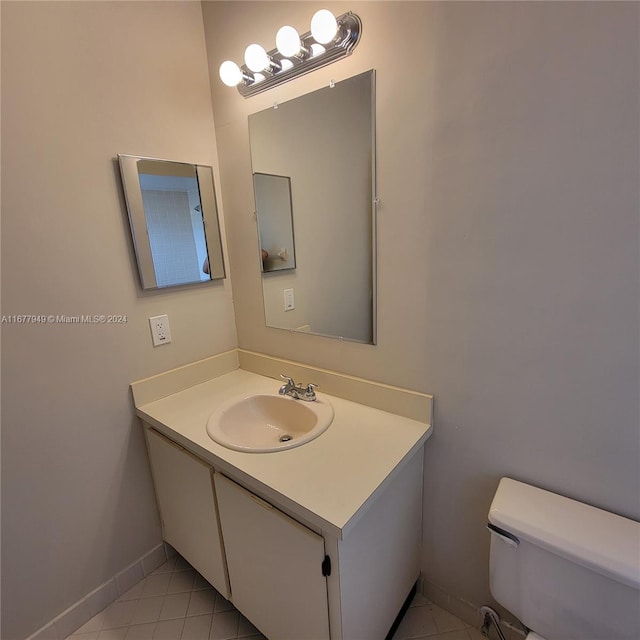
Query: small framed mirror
point(174, 221)
point(275, 221)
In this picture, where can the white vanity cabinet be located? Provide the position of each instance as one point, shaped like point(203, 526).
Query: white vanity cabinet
point(186, 501)
point(275, 566)
point(320, 541)
point(291, 582)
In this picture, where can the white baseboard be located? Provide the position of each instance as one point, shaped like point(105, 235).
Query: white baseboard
point(84, 609)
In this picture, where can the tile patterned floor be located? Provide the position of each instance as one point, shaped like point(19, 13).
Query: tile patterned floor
point(176, 603)
point(172, 603)
point(424, 619)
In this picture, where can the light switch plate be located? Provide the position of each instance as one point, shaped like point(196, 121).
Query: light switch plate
point(160, 330)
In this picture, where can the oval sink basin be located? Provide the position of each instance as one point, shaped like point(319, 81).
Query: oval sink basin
point(263, 422)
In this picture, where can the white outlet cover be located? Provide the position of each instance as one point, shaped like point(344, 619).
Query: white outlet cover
point(160, 330)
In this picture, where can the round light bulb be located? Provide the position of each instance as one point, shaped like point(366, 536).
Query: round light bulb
point(288, 41)
point(317, 49)
point(286, 64)
point(324, 26)
point(256, 58)
point(230, 73)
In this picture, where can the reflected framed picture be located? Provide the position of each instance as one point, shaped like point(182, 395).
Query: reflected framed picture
point(274, 210)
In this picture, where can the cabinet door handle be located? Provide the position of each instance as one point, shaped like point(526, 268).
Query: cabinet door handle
point(261, 502)
point(326, 566)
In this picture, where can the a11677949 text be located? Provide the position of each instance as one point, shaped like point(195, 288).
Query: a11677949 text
point(26, 318)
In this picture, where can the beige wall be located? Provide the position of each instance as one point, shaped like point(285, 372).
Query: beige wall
point(81, 82)
point(507, 139)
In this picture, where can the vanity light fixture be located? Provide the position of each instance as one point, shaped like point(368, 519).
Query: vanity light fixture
point(329, 39)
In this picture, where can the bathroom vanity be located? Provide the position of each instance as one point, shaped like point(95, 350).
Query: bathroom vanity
point(317, 541)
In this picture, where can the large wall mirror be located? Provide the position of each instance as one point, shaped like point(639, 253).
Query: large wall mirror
point(322, 143)
point(174, 221)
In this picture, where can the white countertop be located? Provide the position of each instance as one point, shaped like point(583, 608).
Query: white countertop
point(327, 481)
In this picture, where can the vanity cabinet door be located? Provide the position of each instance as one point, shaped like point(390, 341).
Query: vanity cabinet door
point(275, 566)
point(184, 489)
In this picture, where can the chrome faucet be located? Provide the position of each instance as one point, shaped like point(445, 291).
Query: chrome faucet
point(299, 392)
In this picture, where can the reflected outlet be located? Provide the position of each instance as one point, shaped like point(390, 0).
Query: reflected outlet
point(289, 301)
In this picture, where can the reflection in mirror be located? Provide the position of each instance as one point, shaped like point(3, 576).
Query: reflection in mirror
point(324, 143)
point(275, 221)
point(174, 221)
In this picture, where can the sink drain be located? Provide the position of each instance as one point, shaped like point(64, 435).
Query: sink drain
point(286, 438)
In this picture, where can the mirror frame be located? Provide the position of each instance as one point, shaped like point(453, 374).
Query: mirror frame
point(139, 232)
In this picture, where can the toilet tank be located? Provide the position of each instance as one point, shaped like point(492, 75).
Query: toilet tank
point(566, 570)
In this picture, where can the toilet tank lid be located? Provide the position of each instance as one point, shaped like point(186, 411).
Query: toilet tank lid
point(604, 542)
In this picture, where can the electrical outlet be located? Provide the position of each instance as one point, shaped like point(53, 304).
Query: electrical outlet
point(160, 330)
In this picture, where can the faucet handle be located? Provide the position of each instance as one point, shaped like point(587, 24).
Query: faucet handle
point(310, 391)
point(286, 388)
